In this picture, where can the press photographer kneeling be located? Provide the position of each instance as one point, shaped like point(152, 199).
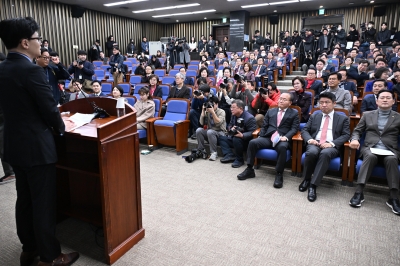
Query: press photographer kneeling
point(214, 118)
point(239, 134)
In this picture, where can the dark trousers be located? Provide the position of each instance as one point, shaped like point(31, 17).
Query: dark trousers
point(36, 210)
point(369, 162)
point(266, 143)
point(6, 167)
point(258, 81)
point(317, 162)
point(270, 76)
point(194, 116)
point(239, 145)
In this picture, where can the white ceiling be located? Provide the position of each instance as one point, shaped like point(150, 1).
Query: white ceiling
point(222, 7)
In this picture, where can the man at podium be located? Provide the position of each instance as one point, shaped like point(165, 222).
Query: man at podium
point(31, 115)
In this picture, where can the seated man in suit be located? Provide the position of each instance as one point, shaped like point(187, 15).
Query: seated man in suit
point(369, 101)
point(259, 71)
point(96, 87)
point(343, 97)
point(380, 73)
point(216, 127)
point(219, 60)
point(381, 128)
point(393, 59)
point(270, 63)
point(321, 71)
point(238, 139)
point(348, 85)
point(313, 84)
point(336, 54)
point(359, 74)
point(327, 67)
point(396, 88)
point(324, 134)
point(280, 125)
point(188, 80)
point(180, 90)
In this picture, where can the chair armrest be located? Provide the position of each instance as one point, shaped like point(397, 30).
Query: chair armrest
point(255, 133)
point(153, 119)
point(297, 137)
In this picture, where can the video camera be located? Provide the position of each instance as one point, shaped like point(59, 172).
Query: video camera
point(239, 127)
point(281, 35)
point(196, 153)
point(363, 27)
point(303, 33)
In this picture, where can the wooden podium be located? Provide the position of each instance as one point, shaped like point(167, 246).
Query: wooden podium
point(98, 175)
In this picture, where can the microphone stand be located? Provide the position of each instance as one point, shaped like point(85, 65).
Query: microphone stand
point(100, 112)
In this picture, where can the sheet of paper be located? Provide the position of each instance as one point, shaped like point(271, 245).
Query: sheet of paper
point(276, 140)
point(381, 152)
point(79, 120)
point(349, 45)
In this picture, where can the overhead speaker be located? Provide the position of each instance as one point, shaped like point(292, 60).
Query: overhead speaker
point(77, 11)
point(274, 19)
point(379, 11)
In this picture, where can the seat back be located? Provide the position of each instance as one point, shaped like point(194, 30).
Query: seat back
point(128, 63)
point(105, 67)
point(334, 62)
point(137, 88)
point(133, 60)
point(131, 99)
point(173, 72)
point(126, 87)
point(99, 74)
point(135, 79)
point(159, 72)
point(194, 62)
point(178, 66)
point(194, 67)
point(106, 87)
point(165, 91)
point(97, 64)
point(191, 73)
point(157, 103)
point(168, 80)
point(177, 109)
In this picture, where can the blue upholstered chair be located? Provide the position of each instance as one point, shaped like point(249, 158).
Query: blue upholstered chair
point(160, 73)
point(128, 63)
point(271, 154)
point(172, 129)
point(178, 66)
point(165, 91)
point(137, 88)
point(126, 87)
point(355, 163)
point(135, 80)
point(131, 99)
point(173, 72)
point(191, 73)
point(97, 64)
point(106, 87)
point(193, 67)
point(100, 74)
point(194, 62)
point(336, 163)
point(168, 80)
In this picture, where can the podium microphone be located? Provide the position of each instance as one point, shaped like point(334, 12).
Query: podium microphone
point(100, 112)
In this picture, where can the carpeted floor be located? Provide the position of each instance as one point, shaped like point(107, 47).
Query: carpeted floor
point(200, 214)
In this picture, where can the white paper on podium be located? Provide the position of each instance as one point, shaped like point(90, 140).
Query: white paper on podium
point(80, 120)
point(381, 152)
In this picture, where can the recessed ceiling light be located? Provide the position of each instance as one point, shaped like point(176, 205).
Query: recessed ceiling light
point(123, 2)
point(177, 20)
point(185, 13)
point(284, 2)
point(275, 11)
point(321, 6)
point(205, 18)
point(249, 6)
point(372, 1)
point(351, 3)
point(165, 8)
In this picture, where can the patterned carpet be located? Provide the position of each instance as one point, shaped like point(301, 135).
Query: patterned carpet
point(200, 214)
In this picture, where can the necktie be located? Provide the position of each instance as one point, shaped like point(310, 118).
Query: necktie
point(324, 130)
point(257, 70)
point(76, 96)
point(279, 119)
point(319, 74)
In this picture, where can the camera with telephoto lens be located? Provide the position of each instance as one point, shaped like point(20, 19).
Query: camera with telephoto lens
point(224, 83)
point(181, 40)
point(239, 127)
point(238, 78)
point(263, 91)
point(363, 27)
point(281, 35)
point(196, 153)
point(80, 62)
point(210, 102)
point(197, 93)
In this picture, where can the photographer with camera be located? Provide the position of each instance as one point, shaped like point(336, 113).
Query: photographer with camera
point(244, 91)
point(280, 125)
point(369, 33)
point(117, 66)
point(199, 98)
point(308, 41)
point(82, 69)
point(324, 42)
point(353, 34)
point(286, 40)
point(383, 36)
point(340, 37)
point(257, 40)
point(240, 130)
point(296, 39)
point(223, 90)
point(265, 98)
point(214, 119)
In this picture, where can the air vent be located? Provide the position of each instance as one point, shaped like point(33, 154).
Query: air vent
point(124, 7)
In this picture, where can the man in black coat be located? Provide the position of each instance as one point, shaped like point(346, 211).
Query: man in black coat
point(280, 125)
point(324, 134)
point(31, 115)
point(359, 73)
point(383, 36)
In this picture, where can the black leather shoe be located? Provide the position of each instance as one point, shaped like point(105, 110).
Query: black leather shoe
point(312, 194)
point(237, 164)
point(278, 181)
point(62, 260)
point(247, 173)
point(228, 159)
point(357, 199)
point(394, 204)
point(304, 185)
point(27, 258)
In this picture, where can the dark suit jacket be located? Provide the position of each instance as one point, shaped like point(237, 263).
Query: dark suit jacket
point(158, 91)
point(216, 63)
point(393, 61)
point(340, 128)
point(100, 95)
point(350, 86)
point(302, 100)
point(369, 104)
point(249, 124)
point(321, 42)
point(270, 66)
point(30, 113)
point(317, 88)
point(288, 126)
point(262, 72)
point(183, 93)
point(352, 73)
point(369, 85)
point(369, 124)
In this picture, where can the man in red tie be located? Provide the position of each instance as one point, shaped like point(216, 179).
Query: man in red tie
point(259, 71)
point(280, 125)
point(325, 134)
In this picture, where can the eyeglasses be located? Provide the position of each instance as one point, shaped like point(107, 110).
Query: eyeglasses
point(39, 39)
point(283, 99)
point(45, 57)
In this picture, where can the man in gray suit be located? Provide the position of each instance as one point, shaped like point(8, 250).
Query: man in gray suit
point(381, 128)
point(325, 134)
point(280, 125)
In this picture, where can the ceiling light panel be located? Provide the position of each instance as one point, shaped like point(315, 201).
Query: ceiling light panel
point(284, 2)
point(165, 8)
point(186, 13)
point(123, 2)
point(250, 6)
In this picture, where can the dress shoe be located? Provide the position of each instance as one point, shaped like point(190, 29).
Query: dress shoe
point(237, 164)
point(312, 194)
point(62, 260)
point(304, 185)
point(247, 173)
point(394, 204)
point(7, 179)
point(27, 258)
point(357, 199)
point(193, 136)
point(278, 181)
point(229, 158)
